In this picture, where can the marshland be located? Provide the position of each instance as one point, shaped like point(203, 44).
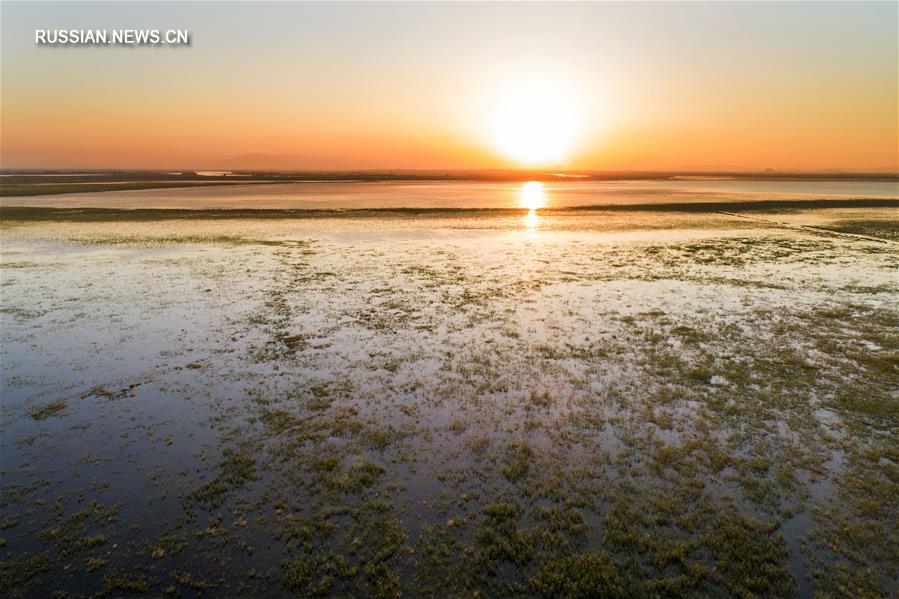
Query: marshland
point(554, 389)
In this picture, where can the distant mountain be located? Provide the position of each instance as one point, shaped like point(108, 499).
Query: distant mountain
point(275, 162)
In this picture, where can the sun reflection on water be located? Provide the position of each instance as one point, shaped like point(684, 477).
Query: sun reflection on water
point(532, 196)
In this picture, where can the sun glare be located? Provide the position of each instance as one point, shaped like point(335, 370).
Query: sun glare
point(531, 196)
point(535, 124)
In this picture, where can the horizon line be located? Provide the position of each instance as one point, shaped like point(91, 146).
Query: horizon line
point(894, 170)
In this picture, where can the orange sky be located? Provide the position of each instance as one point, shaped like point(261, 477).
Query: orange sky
point(648, 86)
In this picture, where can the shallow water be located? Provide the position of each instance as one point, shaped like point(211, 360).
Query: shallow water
point(343, 195)
point(451, 404)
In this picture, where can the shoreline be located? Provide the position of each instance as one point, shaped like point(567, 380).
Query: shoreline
point(88, 213)
point(41, 183)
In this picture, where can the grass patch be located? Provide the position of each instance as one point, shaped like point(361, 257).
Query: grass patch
point(16, 574)
point(585, 576)
point(56, 408)
point(235, 470)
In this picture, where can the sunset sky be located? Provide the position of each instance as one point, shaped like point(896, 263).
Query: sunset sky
point(422, 86)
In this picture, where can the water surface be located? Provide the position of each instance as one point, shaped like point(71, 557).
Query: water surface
point(443, 194)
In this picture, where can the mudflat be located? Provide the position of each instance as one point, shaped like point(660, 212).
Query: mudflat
point(451, 403)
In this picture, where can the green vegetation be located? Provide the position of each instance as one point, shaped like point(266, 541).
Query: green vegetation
point(15, 575)
point(54, 408)
point(235, 470)
point(517, 462)
point(500, 539)
point(712, 415)
point(583, 576)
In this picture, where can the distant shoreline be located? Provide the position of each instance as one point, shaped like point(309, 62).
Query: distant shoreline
point(21, 183)
point(88, 214)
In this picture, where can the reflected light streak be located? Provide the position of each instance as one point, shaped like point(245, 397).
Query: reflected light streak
point(532, 196)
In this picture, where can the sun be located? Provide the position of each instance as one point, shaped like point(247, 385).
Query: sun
point(534, 124)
